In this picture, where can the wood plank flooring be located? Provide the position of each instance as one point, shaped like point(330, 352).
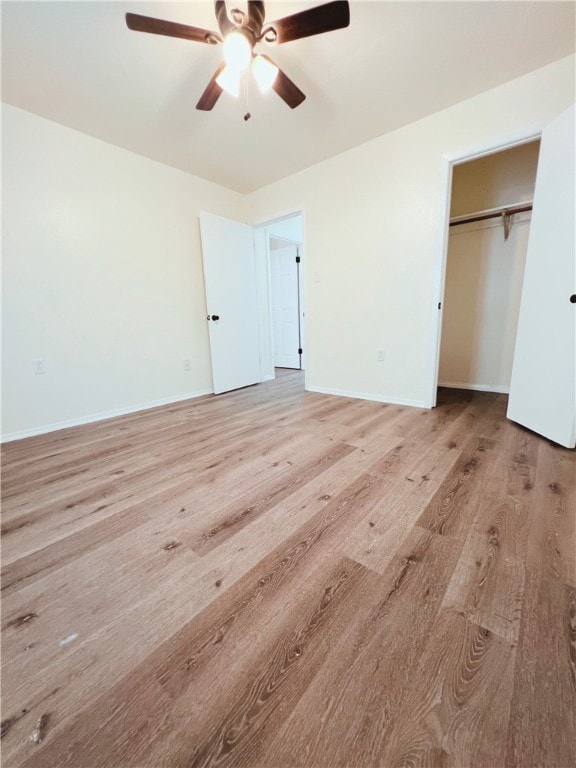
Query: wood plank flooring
point(276, 578)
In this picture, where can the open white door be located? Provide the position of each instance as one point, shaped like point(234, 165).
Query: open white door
point(285, 306)
point(543, 386)
point(231, 301)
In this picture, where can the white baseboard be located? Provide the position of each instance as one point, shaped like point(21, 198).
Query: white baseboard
point(365, 396)
point(477, 387)
point(94, 417)
point(269, 377)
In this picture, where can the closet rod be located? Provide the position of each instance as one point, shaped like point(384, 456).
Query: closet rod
point(493, 213)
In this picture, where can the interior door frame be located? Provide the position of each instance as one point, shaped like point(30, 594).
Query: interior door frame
point(449, 160)
point(259, 226)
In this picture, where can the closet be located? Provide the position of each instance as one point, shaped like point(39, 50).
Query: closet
point(490, 217)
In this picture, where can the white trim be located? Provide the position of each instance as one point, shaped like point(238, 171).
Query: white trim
point(439, 276)
point(515, 139)
point(284, 240)
point(299, 210)
point(365, 396)
point(476, 387)
point(56, 426)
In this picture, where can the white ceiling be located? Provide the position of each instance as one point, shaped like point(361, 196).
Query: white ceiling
point(77, 63)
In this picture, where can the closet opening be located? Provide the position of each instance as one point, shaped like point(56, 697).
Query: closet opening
point(489, 224)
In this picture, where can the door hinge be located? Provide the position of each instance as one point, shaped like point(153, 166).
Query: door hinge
point(297, 259)
point(439, 305)
point(299, 350)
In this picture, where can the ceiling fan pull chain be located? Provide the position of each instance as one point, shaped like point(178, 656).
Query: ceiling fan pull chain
point(247, 114)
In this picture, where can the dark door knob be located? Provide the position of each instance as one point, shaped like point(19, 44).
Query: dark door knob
point(215, 317)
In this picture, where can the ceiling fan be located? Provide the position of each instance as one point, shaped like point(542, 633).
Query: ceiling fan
point(240, 31)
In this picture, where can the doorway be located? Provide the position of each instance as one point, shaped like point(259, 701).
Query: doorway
point(450, 163)
point(238, 288)
point(490, 213)
point(280, 258)
point(542, 393)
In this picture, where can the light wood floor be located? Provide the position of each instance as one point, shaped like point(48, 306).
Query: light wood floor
point(275, 578)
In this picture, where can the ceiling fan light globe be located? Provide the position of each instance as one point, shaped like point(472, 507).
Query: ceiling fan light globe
point(229, 80)
point(264, 72)
point(237, 51)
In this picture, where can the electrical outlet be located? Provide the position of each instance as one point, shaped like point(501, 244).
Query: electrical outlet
point(187, 365)
point(381, 356)
point(39, 366)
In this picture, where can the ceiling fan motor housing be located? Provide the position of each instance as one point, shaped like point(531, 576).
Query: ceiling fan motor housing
point(250, 24)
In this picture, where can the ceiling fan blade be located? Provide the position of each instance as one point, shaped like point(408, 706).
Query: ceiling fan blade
point(212, 92)
point(256, 13)
point(170, 28)
point(224, 22)
point(285, 88)
point(314, 21)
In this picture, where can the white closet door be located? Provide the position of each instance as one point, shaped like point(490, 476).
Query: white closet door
point(231, 301)
point(543, 385)
point(285, 306)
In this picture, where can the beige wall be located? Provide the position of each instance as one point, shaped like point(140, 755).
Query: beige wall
point(481, 303)
point(503, 178)
point(102, 263)
point(372, 231)
point(102, 277)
